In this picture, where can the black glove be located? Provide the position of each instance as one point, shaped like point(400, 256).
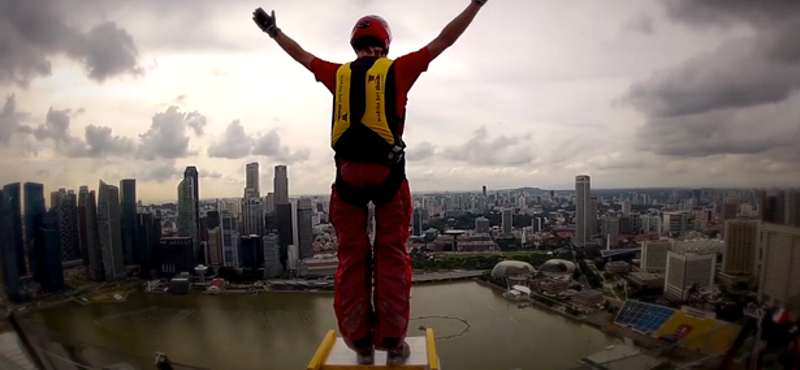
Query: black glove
point(266, 22)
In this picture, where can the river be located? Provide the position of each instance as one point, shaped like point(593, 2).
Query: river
point(281, 331)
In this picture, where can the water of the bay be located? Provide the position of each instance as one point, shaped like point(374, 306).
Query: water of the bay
point(281, 331)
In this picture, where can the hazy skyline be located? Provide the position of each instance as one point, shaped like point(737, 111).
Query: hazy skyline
point(647, 93)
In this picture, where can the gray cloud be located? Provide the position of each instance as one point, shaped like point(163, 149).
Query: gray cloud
point(234, 143)
point(642, 23)
point(420, 152)
point(210, 174)
point(11, 120)
point(32, 31)
point(503, 150)
point(98, 142)
point(738, 99)
point(269, 145)
point(102, 143)
point(167, 137)
point(162, 171)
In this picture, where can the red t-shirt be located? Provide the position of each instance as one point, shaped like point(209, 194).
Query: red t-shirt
point(407, 69)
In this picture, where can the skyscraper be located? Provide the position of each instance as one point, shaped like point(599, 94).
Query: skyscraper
point(583, 223)
point(779, 281)
point(94, 247)
point(67, 211)
point(272, 263)
point(252, 216)
point(611, 227)
point(83, 236)
point(11, 242)
point(285, 231)
point(685, 271)
point(191, 172)
point(252, 183)
point(148, 231)
point(507, 221)
point(281, 185)
point(50, 273)
point(187, 223)
point(305, 228)
point(110, 231)
point(34, 216)
point(741, 244)
point(127, 192)
point(230, 240)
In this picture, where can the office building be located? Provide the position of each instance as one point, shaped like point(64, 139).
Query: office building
point(779, 281)
point(507, 220)
point(251, 252)
point(252, 183)
point(741, 246)
point(176, 255)
point(34, 217)
point(611, 227)
point(481, 225)
point(93, 244)
point(252, 216)
point(187, 223)
point(269, 202)
point(285, 232)
point(654, 255)
point(230, 240)
point(675, 223)
point(305, 228)
point(191, 172)
point(11, 246)
point(110, 232)
point(67, 211)
point(47, 241)
point(730, 210)
point(627, 208)
point(215, 247)
point(685, 271)
point(583, 211)
point(416, 222)
point(272, 256)
point(83, 232)
point(281, 185)
point(127, 193)
point(793, 208)
point(148, 231)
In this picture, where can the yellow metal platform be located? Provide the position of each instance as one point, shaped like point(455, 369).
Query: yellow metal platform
point(333, 354)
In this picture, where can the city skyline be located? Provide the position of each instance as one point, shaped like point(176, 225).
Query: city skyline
point(601, 95)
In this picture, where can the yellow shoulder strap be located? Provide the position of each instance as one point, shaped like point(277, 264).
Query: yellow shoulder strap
point(341, 114)
point(375, 108)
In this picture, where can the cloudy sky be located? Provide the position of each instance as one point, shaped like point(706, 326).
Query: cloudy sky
point(634, 93)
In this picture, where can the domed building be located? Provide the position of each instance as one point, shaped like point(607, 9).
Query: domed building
point(557, 267)
point(514, 272)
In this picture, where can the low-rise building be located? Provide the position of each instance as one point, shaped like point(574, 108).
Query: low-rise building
point(646, 280)
point(617, 267)
point(554, 285)
point(588, 298)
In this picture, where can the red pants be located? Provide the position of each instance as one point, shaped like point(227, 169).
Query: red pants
point(367, 318)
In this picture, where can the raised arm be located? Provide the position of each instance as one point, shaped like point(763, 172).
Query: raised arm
point(455, 28)
point(268, 24)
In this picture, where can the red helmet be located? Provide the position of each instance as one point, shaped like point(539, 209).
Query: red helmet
point(372, 26)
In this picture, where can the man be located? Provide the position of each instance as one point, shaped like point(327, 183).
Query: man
point(368, 121)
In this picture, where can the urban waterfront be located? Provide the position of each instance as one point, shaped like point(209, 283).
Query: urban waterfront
point(282, 330)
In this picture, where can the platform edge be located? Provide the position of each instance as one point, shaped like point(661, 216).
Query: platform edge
point(430, 347)
point(322, 352)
